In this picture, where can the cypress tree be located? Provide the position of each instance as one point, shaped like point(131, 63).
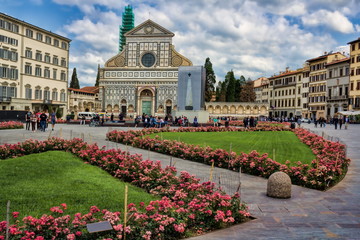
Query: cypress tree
point(74, 80)
point(210, 80)
point(97, 77)
point(230, 88)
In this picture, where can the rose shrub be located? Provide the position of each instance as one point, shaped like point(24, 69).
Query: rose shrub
point(187, 207)
point(329, 167)
point(11, 125)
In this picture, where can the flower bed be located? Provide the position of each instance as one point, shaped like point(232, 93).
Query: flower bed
point(329, 167)
point(11, 125)
point(239, 123)
point(187, 207)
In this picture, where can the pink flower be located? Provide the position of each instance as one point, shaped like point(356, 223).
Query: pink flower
point(70, 236)
point(15, 214)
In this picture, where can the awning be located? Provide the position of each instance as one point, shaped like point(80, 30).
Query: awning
point(349, 113)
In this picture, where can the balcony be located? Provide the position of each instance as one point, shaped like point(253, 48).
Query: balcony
point(5, 99)
point(337, 98)
point(46, 101)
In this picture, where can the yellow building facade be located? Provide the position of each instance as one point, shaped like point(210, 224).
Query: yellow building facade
point(354, 86)
point(33, 67)
point(317, 83)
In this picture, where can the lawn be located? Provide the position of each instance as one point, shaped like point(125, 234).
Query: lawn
point(284, 144)
point(36, 182)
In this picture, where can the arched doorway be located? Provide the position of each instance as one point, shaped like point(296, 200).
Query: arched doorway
point(146, 102)
point(123, 107)
point(168, 107)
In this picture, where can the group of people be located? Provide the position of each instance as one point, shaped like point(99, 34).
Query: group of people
point(39, 120)
point(337, 121)
point(150, 121)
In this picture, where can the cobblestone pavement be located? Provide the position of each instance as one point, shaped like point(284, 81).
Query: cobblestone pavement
point(308, 214)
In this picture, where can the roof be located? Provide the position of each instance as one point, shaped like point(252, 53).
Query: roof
point(355, 41)
point(18, 21)
point(322, 57)
point(92, 90)
point(287, 74)
point(339, 61)
point(151, 25)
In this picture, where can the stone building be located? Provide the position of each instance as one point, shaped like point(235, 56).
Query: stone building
point(354, 90)
point(85, 99)
point(33, 67)
point(143, 77)
point(317, 83)
point(261, 89)
point(337, 86)
point(237, 109)
point(285, 94)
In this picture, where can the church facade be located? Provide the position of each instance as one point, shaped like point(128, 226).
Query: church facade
point(143, 77)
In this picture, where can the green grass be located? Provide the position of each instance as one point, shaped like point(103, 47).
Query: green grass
point(286, 144)
point(36, 182)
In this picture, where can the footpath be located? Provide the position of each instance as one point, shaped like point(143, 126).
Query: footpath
point(308, 214)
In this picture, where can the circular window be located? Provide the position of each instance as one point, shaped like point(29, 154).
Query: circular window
point(148, 60)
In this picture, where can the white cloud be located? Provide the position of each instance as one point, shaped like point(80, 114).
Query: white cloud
point(333, 20)
point(251, 37)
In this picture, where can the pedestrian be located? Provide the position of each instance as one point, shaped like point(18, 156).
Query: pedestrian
point(340, 123)
point(315, 122)
point(33, 120)
point(299, 122)
point(53, 120)
point(27, 119)
point(195, 122)
point(43, 118)
point(336, 120)
point(82, 120)
point(112, 117)
point(346, 120)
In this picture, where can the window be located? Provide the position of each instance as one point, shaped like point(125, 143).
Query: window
point(55, 60)
point(340, 91)
point(28, 69)
point(54, 73)
point(38, 71)
point(63, 45)
point(38, 93)
point(39, 37)
point(56, 42)
point(28, 93)
point(13, 56)
point(14, 73)
point(62, 96)
point(341, 72)
point(54, 96)
point(8, 40)
point(48, 40)
point(38, 56)
point(28, 53)
point(47, 73)
point(63, 62)
point(62, 76)
point(148, 60)
point(13, 92)
point(29, 33)
point(9, 26)
point(47, 58)
point(4, 72)
point(46, 95)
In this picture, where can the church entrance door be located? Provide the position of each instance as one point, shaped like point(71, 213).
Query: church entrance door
point(146, 107)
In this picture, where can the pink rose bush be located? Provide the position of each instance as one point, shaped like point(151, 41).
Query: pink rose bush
point(329, 167)
point(187, 207)
point(11, 125)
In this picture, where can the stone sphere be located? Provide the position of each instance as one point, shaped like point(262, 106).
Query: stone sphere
point(279, 185)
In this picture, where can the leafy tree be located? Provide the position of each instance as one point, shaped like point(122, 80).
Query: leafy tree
point(97, 76)
point(247, 92)
point(74, 80)
point(237, 90)
point(230, 88)
point(210, 80)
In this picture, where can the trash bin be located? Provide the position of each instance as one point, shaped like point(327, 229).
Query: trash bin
point(292, 125)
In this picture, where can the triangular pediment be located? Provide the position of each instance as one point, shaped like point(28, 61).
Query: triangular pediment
point(149, 29)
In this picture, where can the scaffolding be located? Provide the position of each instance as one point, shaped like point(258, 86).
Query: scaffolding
point(128, 18)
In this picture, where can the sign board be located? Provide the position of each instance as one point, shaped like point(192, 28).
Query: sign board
point(99, 227)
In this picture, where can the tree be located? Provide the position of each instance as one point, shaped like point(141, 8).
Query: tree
point(97, 76)
point(222, 95)
point(247, 92)
point(210, 80)
point(237, 90)
point(74, 80)
point(230, 88)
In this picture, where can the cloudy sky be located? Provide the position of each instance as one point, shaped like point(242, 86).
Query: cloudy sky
point(253, 38)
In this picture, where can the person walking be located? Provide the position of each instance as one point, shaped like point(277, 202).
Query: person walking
point(346, 120)
point(112, 117)
point(340, 123)
point(43, 118)
point(33, 120)
point(53, 120)
point(336, 121)
point(27, 119)
point(82, 120)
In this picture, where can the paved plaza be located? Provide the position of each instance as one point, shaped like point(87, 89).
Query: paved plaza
point(309, 214)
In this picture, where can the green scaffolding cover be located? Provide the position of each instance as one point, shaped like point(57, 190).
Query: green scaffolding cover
point(128, 19)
